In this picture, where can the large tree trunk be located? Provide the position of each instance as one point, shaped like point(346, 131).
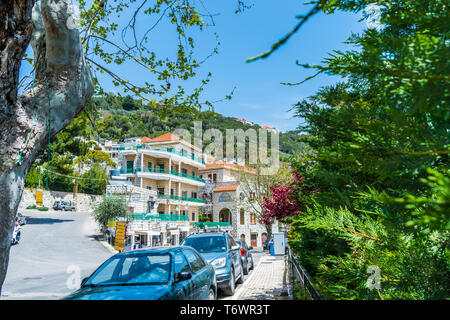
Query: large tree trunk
point(61, 74)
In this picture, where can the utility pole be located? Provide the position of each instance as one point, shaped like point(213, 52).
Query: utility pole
point(75, 192)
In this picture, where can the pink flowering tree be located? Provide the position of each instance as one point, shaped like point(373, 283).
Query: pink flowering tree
point(284, 200)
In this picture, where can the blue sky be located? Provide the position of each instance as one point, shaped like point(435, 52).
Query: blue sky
point(258, 97)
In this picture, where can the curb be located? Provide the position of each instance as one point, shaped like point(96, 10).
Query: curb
point(106, 245)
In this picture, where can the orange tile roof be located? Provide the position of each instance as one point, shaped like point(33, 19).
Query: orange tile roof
point(228, 164)
point(165, 137)
point(226, 188)
point(266, 127)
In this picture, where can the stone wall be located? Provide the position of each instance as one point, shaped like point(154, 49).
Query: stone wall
point(86, 202)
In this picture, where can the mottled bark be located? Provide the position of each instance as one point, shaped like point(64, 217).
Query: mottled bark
point(61, 73)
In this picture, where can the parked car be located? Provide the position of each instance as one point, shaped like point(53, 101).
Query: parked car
point(21, 219)
point(63, 205)
point(246, 256)
point(163, 273)
point(223, 253)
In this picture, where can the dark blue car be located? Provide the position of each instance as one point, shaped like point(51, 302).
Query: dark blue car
point(164, 273)
point(224, 254)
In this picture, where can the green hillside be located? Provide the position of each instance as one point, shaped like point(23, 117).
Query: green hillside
point(126, 118)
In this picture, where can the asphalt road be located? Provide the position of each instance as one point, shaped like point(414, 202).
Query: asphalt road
point(56, 250)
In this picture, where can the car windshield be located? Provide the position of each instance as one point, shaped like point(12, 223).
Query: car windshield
point(135, 269)
point(207, 244)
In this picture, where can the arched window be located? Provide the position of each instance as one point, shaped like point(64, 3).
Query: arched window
point(225, 215)
point(242, 216)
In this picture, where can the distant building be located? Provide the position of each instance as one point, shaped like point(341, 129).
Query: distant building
point(266, 127)
point(223, 196)
point(183, 183)
point(245, 121)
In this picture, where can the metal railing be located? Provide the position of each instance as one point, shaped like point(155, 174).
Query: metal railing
point(166, 171)
point(159, 216)
point(159, 170)
point(182, 152)
point(300, 279)
point(174, 197)
point(212, 224)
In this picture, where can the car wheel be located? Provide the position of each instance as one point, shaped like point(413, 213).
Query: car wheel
point(212, 294)
point(241, 278)
point(230, 289)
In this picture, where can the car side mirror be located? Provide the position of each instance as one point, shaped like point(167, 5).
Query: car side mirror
point(235, 247)
point(183, 275)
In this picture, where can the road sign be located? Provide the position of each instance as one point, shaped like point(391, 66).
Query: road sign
point(39, 201)
point(119, 242)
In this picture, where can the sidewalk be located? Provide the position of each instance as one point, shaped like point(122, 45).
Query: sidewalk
point(267, 282)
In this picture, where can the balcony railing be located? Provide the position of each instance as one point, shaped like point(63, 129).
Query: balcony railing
point(212, 224)
point(174, 197)
point(159, 216)
point(159, 170)
point(175, 173)
point(128, 170)
point(182, 152)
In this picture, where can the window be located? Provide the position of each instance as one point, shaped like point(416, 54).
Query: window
point(193, 216)
point(184, 171)
point(130, 165)
point(172, 192)
point(242, 216)
point(181, 263)
point(207, 243)
point(201, 176)
point(160, 191)
point(194, 260)
point(214, 178)
point(193, 173)
point(231, 242)
point(149, 166)
point(134, 269)
point(184, 194)
point(252, 218)
point(194, 195)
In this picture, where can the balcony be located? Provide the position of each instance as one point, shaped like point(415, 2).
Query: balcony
point(165, 171)
point(159, 216)
point(171, 150)
point(174, 197)
point(157, 171)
